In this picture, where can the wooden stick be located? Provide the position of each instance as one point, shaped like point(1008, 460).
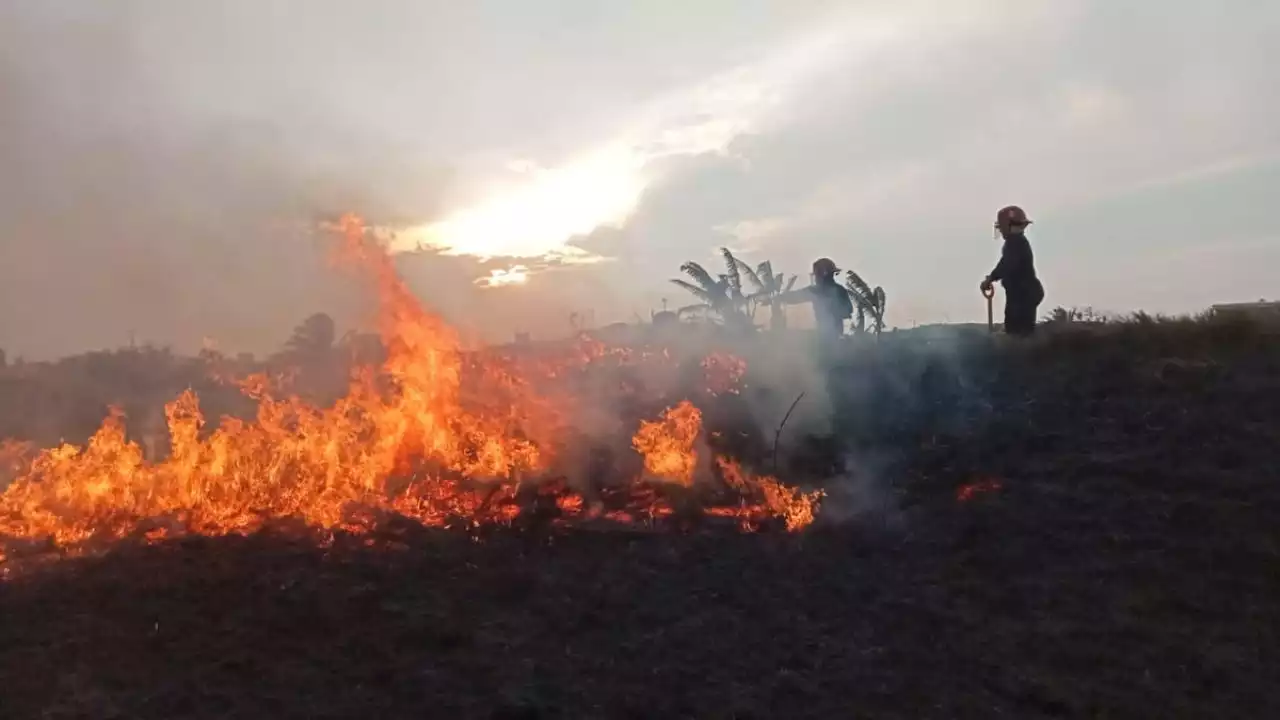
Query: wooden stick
point(778, 435)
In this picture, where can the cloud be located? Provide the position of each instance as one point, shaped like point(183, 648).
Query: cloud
point(160, 163)
point(1058, 107)
point(539, 214)
point(498, 277)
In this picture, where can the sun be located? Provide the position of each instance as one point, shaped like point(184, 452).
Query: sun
point(514, 275)
point(536, 217)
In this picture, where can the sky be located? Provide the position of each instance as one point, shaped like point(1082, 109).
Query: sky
point(165, 165)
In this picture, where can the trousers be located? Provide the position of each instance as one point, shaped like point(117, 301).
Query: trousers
point(1021, 309)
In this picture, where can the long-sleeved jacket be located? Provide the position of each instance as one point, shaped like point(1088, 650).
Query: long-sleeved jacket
point(1017, 269)
point(831, 306)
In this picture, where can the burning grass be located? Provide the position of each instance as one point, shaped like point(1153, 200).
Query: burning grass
point(435, 434)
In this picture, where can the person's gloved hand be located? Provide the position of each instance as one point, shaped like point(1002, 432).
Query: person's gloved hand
point(986, 286)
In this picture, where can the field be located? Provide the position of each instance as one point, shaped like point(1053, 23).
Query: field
point(1080, 526)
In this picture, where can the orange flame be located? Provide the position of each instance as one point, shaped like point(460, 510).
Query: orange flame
point(969, 491)
point(415, 437)
point(796, 507)
point(668, 444)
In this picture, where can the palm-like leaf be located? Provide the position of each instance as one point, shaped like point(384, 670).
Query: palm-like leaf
point(768, 285)
point(714, 293)
point(764, 273)
point(701, 293)
point(858, 286)
point(867, 302)
point(732, 277)
point(724, 295)
point(758, 280)
point(700, 276)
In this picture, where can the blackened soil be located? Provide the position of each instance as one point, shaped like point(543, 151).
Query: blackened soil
point(1128, 566)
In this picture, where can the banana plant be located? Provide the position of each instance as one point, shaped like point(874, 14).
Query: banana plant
point(868, 303)
point(720, 295)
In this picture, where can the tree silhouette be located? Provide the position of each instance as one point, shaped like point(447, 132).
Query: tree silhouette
point(867, 302)
point(313, 337)
point(769, 289)
point(722, 296)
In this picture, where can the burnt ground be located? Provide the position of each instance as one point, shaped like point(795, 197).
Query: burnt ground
point(1127, 567)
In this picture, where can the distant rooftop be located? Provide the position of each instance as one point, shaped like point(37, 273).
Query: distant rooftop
point(1265, 305)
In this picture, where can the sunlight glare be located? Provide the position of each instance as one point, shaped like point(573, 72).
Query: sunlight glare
point(535, 219)
point(498, 277)
point(538, 217)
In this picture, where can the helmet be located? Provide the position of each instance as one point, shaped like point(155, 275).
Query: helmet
point(1010, 216)
point(824, 266)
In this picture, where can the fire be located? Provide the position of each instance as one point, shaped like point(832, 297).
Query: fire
point(435, 433)
point(969, 491)
point(796, 507)
point(668, 444)
point(724, 373)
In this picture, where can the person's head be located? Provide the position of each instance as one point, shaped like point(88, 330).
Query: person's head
point(1011, 221)
point(824, 270)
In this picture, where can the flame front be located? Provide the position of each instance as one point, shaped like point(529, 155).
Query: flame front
point(427, 436)
point(668, 445)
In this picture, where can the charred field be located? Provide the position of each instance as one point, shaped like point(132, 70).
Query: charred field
point(1082, 526)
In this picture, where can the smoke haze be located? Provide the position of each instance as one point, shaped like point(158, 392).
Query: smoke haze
point(163, 164)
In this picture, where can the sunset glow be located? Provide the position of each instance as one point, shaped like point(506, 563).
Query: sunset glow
point(539, 215)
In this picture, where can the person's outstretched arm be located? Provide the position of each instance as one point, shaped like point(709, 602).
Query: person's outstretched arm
point(795, 297)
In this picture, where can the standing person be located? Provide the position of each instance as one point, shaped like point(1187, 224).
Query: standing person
point(1016, 270)
point(831, 307)
point(831, 303)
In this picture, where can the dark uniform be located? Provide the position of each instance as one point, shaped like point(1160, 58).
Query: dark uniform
point(1017, 272)
point(831, 307)
point(831, 303)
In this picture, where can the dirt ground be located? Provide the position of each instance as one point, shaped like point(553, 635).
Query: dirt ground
point(1128, 565)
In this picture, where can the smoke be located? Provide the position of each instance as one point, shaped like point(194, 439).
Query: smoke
point(166, 194)
point(860, 419)
point(127, 214)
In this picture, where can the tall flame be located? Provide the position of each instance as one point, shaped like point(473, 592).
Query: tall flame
point(668, 445)
point(414, 437)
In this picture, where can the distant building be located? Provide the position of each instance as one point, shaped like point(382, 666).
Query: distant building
point(1261, 310)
